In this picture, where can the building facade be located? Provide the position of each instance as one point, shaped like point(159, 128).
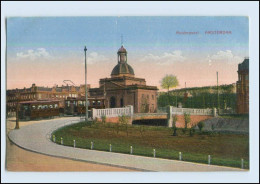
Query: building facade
point(243, 87)
point(123, 88)
point(43, 93)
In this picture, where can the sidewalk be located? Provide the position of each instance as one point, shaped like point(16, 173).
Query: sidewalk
point(36, 138)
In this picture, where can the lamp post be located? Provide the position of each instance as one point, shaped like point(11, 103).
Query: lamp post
point(218, 90)
point(86, 90)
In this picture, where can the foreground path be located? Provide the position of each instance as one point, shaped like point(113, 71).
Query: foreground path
point(36, 137)
point(19, 159)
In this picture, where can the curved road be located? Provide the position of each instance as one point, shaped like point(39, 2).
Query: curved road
point(36, 138)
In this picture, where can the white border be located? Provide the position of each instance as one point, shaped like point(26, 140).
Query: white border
point(250, 9)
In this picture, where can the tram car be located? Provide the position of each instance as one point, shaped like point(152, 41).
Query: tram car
point(77, 106)
point(38, 109)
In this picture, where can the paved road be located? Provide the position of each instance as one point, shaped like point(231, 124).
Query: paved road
point(36, 137)
point(19, 159)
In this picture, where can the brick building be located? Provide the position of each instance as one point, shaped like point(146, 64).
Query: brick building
point(123, 88)
point(42, 93)
point(243, 87)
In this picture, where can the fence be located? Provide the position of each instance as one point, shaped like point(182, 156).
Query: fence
point(226, 111)
point(113, 112)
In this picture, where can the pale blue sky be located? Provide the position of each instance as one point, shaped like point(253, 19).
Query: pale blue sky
point(65, 35)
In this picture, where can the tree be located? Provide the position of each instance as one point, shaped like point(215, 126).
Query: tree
point(174, 127)
point(187, 120)
point(124, 121)
point(169, 81)
point(103, 118)
point(201, 125)
point(142, 129)
point(192, 130)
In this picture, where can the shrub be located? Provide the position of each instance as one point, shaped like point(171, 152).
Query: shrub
point(95, 120)
point(184, 130)
point(103, 119)
point(192, 131)
point(187, 120)
point(212, 127)
point(142, 129)
point(201, 125)
point(124, 121)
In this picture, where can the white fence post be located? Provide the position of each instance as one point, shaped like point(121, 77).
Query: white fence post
point(242, 163)
point(180, 156)
point(215, 112)
point(94, 113)
point(110, 147)
point(92, 146)
point(53, 138)
point(154, 153)
point(209, 159)
point(74, 143)
point(131, 150)
point(61, 141)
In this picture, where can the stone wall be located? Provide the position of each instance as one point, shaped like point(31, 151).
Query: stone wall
point(195, 119)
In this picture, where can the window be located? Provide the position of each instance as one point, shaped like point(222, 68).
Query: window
point(98, 102)
point(94, 102)
point(55, 105)
point(51, 106)
point(80, 103)
point(153, 97)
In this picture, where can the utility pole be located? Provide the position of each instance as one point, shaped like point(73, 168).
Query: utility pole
point(86, 90)
point(217, 90)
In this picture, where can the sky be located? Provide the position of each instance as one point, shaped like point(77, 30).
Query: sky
point(48, 50)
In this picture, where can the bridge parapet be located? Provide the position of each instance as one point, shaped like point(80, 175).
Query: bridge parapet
point(207, 112)
point(113, 112)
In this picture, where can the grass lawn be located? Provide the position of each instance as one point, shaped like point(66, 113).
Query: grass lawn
point(225, 149)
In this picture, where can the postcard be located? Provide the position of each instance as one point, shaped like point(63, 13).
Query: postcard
point(127, 93)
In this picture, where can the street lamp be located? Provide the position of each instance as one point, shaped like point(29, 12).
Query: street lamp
point(86, 90)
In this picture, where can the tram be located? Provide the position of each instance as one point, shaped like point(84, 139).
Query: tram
point(77, 106)
point(38, 109)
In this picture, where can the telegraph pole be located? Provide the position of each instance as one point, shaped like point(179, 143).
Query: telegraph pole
point(217, 90)
point(86, 90)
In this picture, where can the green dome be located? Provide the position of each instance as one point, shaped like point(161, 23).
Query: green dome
point(122, 68)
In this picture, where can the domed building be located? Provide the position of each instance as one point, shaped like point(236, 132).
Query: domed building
point(123, 88)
